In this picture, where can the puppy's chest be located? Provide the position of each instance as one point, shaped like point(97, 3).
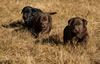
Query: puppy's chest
point(79, 36)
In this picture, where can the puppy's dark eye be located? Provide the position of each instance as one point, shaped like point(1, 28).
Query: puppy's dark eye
point(44, 18)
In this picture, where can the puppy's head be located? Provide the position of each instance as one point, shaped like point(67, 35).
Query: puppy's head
point(27, 14)
point(43, 20)
point(77, 24)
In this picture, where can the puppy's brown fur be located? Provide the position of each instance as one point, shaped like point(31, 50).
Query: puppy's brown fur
point(76, 31)
point(42, 23)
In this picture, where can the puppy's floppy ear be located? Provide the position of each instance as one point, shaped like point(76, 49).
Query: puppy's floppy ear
point(70, 21)
point(84, 21)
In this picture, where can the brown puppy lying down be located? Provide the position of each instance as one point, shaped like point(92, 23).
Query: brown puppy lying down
point(41, 23)
point(76, 31)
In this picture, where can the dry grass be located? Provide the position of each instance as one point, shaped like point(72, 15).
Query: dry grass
point(20, 47)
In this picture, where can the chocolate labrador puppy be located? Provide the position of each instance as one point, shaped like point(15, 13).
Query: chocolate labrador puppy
point(42, 23)
point(76, 31)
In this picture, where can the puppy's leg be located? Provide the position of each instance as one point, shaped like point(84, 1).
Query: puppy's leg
point(34, 33)
point(85, 39)
point(65, 42)
point(74, 41)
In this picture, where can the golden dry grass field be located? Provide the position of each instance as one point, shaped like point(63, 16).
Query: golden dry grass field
point(20, 47)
